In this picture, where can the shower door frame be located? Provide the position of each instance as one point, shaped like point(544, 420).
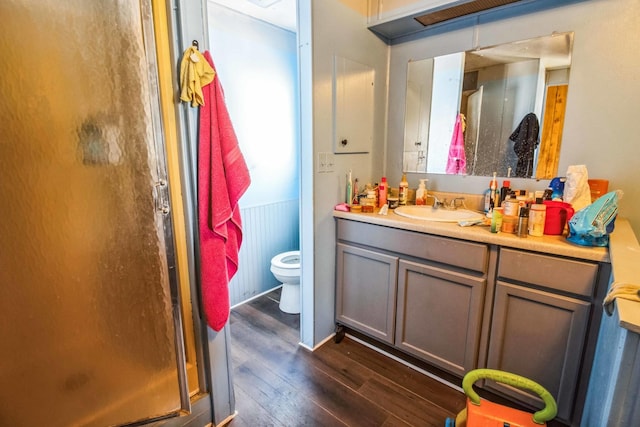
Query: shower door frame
point(163, 201)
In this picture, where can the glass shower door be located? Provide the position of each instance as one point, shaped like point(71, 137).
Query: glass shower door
point(90, 332)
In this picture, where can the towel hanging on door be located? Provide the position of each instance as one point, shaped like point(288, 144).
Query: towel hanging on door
point(195, 73)
point(223, 177)
point(457, 159)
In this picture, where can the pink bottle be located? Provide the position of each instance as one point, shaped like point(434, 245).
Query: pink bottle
point(382, 192)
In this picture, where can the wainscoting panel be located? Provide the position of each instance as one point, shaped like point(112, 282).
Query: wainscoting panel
point(267, 231)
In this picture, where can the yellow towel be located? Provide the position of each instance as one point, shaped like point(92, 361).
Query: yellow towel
point(621, 290)
point(195, 72)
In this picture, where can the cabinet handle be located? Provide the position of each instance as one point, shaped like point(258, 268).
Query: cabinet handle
point(344, 142)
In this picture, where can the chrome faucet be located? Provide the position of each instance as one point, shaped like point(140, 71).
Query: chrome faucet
point(444, 203)
point(454, 205)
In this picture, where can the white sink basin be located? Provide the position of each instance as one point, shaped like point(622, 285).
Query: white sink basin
point(428, 213)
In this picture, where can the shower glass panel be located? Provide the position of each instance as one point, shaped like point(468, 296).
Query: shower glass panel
point(87, 336)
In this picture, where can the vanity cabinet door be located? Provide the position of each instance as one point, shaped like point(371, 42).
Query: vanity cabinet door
point(366, 291)
point(439, 314)
point(539, 335)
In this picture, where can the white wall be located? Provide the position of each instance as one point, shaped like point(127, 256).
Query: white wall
point(604, 89)
point(601, 108)
point(257, 66)
point(339, 28)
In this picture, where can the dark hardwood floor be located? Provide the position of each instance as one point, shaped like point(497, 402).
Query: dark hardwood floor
point(278, 383)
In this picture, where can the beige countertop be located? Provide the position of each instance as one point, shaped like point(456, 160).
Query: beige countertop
point(625, 254)
point(556, 245)
point(623, 251)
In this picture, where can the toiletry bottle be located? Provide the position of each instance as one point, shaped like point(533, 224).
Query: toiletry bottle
point(376, 193)
point(505, 190)
point(403, 190)
point(382, 192)
point(349, 192)
point(493, 191)
point(509, 224)
point(496, 219)
point(487, 199)
point(421, 193)
point(557, 185)
point(522, 199)
point(511, 207)
point(522, 229)
point(355, 199)
point(369, 200)
point(537, 218)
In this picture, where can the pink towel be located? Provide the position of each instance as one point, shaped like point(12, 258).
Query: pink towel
point(457, 161)
point(223, 177)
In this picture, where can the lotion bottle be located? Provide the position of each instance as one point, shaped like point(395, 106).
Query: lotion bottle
point(403, 190)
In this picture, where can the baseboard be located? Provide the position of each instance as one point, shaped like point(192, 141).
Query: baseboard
point(317, 346)
point(226, 420)
point(256, 296)
point(404, 362)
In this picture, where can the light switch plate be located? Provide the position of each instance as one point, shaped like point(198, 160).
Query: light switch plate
point(325, 162)
point(330, 162)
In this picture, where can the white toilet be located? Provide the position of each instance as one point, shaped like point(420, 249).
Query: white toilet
point(286, 268)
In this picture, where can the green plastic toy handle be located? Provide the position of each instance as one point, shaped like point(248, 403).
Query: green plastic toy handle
point(542, 416)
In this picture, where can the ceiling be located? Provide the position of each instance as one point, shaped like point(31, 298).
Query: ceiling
point(281, 13)
point(554, 50)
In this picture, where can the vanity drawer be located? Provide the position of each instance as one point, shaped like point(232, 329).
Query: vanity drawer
point(576, 277)
point(458, 253)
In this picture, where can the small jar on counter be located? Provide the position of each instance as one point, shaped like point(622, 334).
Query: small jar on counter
point(509, 224)
point(368, 202)
point(537, 216)
point(393, 202)
point(511, 207)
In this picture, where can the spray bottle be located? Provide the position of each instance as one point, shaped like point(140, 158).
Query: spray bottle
point(557, 187)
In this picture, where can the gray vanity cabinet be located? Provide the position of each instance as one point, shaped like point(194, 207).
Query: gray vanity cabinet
point(540, 323)
point(439, 313)
point(366, 291)
point(440, 282)
point(461, 305)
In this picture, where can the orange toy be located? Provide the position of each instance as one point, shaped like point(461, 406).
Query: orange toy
point(483, 413)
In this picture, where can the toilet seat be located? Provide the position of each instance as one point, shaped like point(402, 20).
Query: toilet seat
point(287, 260)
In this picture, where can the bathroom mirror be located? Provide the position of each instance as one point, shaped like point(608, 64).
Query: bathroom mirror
point(495, 109)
